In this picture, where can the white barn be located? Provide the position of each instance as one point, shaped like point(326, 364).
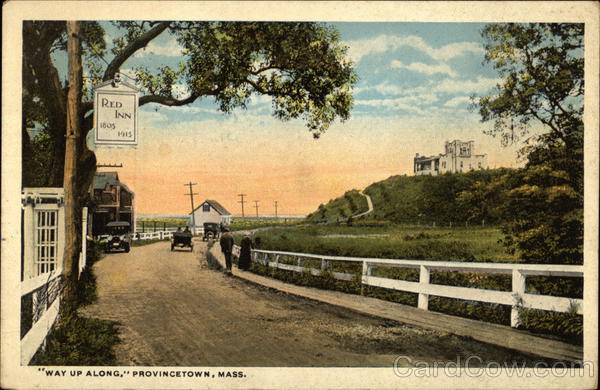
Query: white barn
point(209, 211)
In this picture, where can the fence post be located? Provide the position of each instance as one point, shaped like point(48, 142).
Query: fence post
point(83, 260)
point(424, 276)
point(300, 262)
point(366, 272)
point(277, 261)
point(518, 289)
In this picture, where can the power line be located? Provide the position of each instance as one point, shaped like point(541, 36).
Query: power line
point(191, 194)
point(256, 206)
point(242, 202)
point(275, 209)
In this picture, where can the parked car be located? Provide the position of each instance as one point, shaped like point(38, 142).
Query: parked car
point(211, 231)
point(119, 236)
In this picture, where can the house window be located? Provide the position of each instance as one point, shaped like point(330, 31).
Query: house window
point(46, 241)
point(479, 165)
point(461, 164)
point(444, 164)
point(206, 208)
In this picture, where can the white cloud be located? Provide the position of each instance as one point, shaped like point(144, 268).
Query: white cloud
point(457, 101)
point(480, 85)
point(168, 49)
point(257, 99)
point(152, 118)
point(424, 68)
point(387, 89)
point(181, 91)
point(403, 103)
point(358, 49)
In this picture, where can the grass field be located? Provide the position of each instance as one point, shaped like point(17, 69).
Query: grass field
point(396, 242)
point(249, 224)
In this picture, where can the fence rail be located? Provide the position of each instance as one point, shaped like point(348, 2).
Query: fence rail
point(44, 292)
point(517, 298)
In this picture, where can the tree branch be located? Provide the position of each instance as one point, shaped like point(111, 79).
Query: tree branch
point(130, 49)
point(168, 101)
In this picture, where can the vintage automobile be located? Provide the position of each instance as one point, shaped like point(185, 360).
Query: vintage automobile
point(119, 236)
point(182, 240)
point(211, 231)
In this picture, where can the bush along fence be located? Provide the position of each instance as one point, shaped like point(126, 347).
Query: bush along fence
point(374, 273)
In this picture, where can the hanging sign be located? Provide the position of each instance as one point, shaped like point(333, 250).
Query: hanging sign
point(115, 113)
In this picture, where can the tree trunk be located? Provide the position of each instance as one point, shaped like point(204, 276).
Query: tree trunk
point(72, 152)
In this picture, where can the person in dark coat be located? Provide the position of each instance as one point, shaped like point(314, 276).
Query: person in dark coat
point(226, 242)
point(245, 252)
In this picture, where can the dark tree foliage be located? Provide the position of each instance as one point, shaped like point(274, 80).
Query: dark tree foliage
point(542, 70)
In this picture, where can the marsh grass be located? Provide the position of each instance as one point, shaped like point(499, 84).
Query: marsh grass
point(399, 242)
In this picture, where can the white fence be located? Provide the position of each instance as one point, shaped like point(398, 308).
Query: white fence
point(44, 291)
point(158, 235)
point(517, 298)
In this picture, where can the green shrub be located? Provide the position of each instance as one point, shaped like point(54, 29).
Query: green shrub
point(568, 324)
point(569, 287)
point(80, 341)
point(405, 298)
point(488, 312)
point(472, 280)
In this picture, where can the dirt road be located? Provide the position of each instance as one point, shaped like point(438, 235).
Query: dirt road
point(174, 310)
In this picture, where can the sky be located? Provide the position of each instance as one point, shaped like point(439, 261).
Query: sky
point(413, 92)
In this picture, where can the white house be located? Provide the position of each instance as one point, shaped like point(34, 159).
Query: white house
point(210, 211)
point(458, 157)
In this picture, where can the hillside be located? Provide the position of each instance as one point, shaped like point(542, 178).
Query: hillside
point(419, 199)
point(339, 209)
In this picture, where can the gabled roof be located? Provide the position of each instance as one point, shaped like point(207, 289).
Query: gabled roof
point(102, 179)
point(215, 205)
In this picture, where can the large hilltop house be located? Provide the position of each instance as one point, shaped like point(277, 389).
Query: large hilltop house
point(459, 156)
point(112, 201)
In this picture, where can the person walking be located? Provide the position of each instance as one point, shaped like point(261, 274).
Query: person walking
point(226, 242)
point(245, 252)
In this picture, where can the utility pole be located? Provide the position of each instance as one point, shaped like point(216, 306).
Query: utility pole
point(191, 194)
point(275, 209)
point(242, 202)
point(256, 207)
point(72, 152)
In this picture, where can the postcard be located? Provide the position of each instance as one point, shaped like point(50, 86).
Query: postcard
point(299, 195)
